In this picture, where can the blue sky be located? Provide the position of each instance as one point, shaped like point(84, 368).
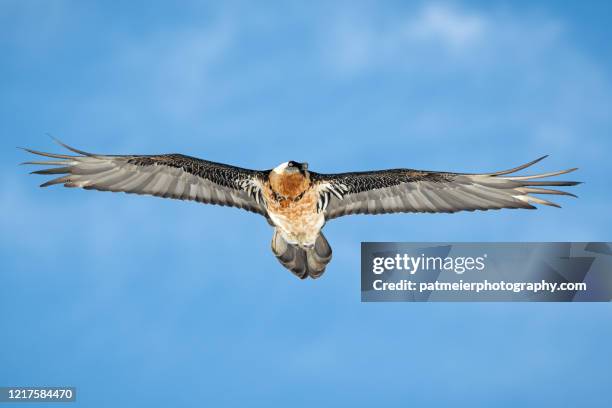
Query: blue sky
point(142, 301)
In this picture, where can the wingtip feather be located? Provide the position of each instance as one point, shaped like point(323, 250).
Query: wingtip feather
point(58, 180)
point(52, 155)
point(72, 149)
point(518, 168)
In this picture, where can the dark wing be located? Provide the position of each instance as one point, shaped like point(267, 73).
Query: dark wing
point(167, 175)
point(406, 190)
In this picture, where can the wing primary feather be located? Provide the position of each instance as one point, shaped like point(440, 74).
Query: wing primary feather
point(535, 176)
point(59, 180)
point(529, 190)
point(551, 183)
point(54, 170)
point(543, 202)
point(53, 155)
point(515, 169)
point(72, 149)
point(47, 163)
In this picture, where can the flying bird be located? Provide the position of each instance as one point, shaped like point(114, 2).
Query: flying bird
point(298, 202)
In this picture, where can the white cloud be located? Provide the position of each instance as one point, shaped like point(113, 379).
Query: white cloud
point(491, 74)
point(457, 30)
point(358, 42)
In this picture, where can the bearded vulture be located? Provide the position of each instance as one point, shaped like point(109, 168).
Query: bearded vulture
point(295, 201)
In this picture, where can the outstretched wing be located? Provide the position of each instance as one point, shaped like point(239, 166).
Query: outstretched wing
point(406, 190)
point(167, 175)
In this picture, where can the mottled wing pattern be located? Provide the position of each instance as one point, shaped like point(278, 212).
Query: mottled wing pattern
point(168, 175)
point(406, 190)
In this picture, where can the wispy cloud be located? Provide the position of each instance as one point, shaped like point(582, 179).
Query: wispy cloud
point(360, 42)
point(501, 73)
point(456, 30)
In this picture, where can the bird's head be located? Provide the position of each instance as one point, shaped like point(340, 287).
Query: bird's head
point(290, 179)
point(291, 167)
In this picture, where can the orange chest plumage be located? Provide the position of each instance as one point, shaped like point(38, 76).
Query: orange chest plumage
point(292, 206)
point(301, 205)
point(289, 186)
point(298, 220)
point(290, 195)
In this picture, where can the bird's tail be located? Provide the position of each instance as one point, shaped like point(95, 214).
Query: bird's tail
point(303, 262)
